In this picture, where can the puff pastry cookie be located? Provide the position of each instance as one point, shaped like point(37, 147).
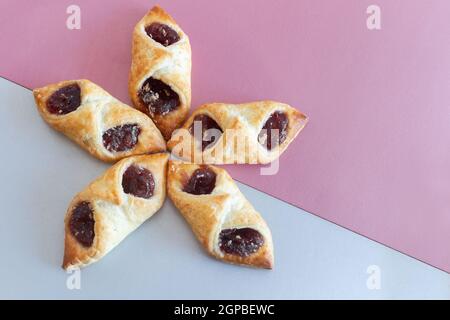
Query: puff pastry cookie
point(160, 75)
point(98, 122)
point(256, 132)
point(222, 219)
point(112, 206)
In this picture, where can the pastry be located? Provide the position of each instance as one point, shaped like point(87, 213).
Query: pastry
point(112, 206)
point(98, 122)
point(160, 76)
point(222, 219)
point(256, 132)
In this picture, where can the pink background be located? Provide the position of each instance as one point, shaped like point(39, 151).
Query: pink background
point(375, 156)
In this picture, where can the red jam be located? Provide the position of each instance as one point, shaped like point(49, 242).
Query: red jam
point(206, 123)
point(274, 131)
point(242, 242)
point(121, 138)
point(159, 98)
point(64, 100)
point(82, 223)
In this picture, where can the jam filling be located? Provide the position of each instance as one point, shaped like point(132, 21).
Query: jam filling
point(158, 97)
point(162, 33)
point(82, 223)
point(121, 138)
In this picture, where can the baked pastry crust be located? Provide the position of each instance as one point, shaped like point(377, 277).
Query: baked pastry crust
point(98, 112)
point(171, 65)
point(237, 121)
point(225, 208)
point(116, 213)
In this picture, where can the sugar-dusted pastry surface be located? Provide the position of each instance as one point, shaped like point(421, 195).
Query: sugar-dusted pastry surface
point(222, 219)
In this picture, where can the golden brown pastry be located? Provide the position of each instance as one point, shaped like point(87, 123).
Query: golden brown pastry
point(222, 219)
point(105, 127)
point(256, 132)
point(160, 75)
point(112, 206)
